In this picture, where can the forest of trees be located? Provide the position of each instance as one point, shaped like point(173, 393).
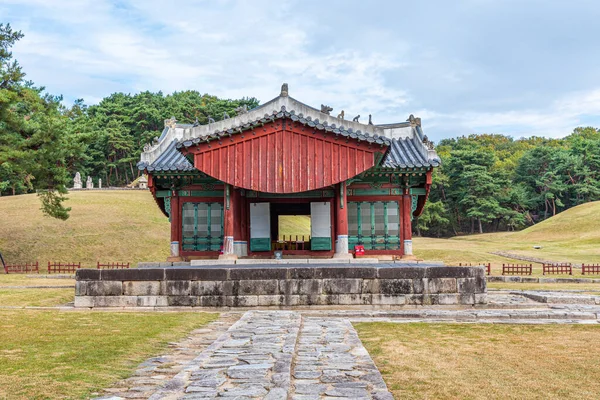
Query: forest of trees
point(491, 182)
point(486, 182)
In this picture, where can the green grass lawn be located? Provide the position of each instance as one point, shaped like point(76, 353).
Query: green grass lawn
point(68, 355)
point(592, 287)
point(35, 297)
point(24, 280)
point(487, 361)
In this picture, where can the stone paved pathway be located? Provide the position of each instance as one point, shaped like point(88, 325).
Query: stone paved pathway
point(155, 372)
point(331, 362)
point(276, 355)
point(305, 355)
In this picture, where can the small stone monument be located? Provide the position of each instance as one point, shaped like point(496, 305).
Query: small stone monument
point(89, 184)
point(77, 181)
point(143, 182)
point(100, 183)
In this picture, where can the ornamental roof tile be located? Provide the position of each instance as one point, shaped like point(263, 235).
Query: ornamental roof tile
point(169, 160)
point(284, 113)
point(409, 153)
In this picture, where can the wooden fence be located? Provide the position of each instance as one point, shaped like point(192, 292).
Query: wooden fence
point(590, 269)
point(22, 268)
point(516, 269)
point(557, 269)
point(58, 267)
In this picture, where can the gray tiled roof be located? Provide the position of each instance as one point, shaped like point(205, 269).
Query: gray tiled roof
point(169, 160)
point(308, 121)
point(409, 152)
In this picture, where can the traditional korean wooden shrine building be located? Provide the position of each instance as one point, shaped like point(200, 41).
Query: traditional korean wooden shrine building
point(224, 185)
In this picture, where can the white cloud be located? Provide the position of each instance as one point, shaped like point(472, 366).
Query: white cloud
point(557, 120)
point(355, 62)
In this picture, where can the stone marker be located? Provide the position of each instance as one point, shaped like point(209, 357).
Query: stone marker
point(77, 181)
point(89, 184)
point(143, 182)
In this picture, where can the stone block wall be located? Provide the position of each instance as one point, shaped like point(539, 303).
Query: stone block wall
point(381, 286)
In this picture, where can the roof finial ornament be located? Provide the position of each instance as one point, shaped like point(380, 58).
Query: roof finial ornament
point(196, 123)
point(171, 122)
point(225, 115)
point(355, 119)
point(428, 143)
point(414, 121)
point(241, 110)
point(326, 109)
point(211, 120)
point(341, 115)
point(284, 90)
point(370, 122)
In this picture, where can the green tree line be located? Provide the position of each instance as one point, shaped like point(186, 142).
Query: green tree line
point(489, 183)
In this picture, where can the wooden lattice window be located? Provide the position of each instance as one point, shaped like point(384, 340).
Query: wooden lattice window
point(202, 226)
point(374, 224)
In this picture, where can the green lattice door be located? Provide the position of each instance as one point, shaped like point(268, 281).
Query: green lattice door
point(202, 226)
point(374, 224)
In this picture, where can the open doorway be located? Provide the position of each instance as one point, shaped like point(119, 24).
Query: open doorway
point(295, 227)
point(290, 226)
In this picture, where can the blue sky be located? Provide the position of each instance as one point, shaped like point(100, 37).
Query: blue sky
point(514, 67)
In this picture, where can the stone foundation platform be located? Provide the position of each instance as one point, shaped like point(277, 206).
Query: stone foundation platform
point(381, 285)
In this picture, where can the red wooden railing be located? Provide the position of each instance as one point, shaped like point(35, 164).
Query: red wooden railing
point(557, 269)
point(590, 269)
point(112, 265)
point(57, 267)
point(516, 269)
point(22, 268)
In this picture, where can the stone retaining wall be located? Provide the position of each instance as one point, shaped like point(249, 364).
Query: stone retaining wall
point(281, 286)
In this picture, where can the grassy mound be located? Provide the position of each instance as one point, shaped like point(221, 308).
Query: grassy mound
point(104, 226)
point(573, 236)
point(581, 223)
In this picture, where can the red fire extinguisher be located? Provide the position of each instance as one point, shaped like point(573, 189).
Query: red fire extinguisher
point(359, 250)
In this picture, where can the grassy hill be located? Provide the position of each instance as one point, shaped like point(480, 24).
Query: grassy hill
point(573, 235)
point(104, 226)
point(128, 226)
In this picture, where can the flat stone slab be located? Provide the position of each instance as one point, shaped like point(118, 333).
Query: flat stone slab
point(556, 297)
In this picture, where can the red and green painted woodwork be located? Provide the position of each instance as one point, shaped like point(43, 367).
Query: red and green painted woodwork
point(374, 209)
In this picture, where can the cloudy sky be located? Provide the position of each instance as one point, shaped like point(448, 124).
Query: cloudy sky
point(522, 67)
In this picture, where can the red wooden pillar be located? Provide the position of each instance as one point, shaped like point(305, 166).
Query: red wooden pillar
point(341, 222)
point(240, 244)
point(229, 205)
point(407, 223)
point(175, 224)
point(237, 214)
point(243, 219)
